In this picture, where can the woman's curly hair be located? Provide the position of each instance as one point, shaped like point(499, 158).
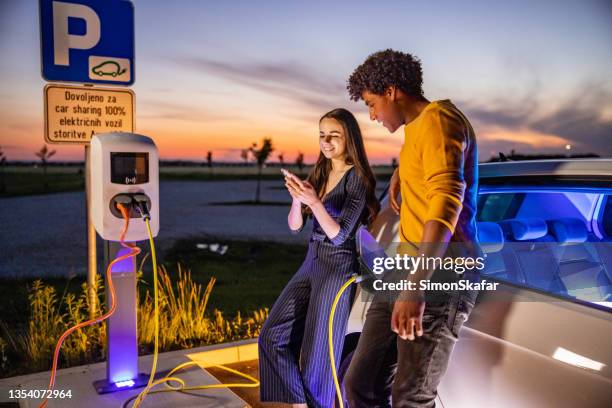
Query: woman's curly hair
point(386, 68)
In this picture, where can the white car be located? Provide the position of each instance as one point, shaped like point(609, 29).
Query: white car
point(544, 338)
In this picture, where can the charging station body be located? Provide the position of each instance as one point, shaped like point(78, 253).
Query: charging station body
point(124, 170)
point(123, 164)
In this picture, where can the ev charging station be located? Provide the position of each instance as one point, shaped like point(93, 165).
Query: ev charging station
point(125, 170)
point(92, 42)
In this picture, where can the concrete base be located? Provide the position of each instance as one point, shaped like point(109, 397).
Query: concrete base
point(80, 381)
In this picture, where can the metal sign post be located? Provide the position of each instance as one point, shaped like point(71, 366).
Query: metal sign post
point(92, 256)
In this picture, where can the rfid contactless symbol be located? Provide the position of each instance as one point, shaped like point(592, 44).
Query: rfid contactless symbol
point(108, 68)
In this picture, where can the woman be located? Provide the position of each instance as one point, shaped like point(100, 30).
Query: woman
point(339, 195)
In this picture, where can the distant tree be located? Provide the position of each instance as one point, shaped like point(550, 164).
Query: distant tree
point(394, 162)
point(209, 162)
point(281, 159)
point(244, 154)
point(44, 155)
point(261, 155)
point(2, 164)
point(299, 161)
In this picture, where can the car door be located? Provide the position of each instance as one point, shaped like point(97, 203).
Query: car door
point(533, 343)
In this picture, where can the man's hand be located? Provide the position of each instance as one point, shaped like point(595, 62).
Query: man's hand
point(407, 318)
point(394, 191)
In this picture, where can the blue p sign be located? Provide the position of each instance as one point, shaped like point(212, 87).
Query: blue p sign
point(89, 41)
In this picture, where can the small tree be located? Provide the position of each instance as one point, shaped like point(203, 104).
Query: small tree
point(261, 155)
point(44, 155)
point(2, 164)
point(299, 161)
point(209, 159)
point(244, 154)
point(281, 159)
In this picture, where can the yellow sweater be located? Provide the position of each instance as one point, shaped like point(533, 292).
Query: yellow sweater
point(438, 173)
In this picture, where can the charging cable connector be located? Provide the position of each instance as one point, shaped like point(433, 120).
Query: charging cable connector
point(141, 202)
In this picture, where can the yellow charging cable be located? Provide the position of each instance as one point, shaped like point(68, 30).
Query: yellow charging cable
point(182, 385)
point(254, 381)
point(156, 311)
point(330, 332)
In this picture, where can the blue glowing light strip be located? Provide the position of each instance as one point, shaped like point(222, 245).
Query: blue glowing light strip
point(123, 384)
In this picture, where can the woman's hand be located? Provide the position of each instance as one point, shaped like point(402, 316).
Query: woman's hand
point(301, 191)
point(293, 192)
point(295, 218)
point(294, 187)
point(309, 195)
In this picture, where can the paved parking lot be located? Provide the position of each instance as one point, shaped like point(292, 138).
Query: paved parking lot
point(45, 235)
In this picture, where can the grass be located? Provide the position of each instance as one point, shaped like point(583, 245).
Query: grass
point(21, 181)
point(32, 182)
point(222, 298)
point(249, 276)
point(216, 177)
point(15, 306)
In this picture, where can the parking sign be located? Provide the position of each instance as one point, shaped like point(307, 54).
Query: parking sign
point(87, 41)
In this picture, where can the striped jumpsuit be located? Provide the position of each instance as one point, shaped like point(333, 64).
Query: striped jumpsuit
point(293, 344)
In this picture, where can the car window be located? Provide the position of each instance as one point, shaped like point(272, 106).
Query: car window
point(496, 207)
point(550, 242)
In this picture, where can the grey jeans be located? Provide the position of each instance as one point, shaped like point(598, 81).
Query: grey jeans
point(387, 371)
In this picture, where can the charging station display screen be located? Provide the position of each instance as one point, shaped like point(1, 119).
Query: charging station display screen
point(129, 168)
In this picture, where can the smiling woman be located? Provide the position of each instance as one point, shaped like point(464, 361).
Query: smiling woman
point(339, 195)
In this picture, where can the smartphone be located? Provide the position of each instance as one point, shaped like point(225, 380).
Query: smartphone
point(286, 173)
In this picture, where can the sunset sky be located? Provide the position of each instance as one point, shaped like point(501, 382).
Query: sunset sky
point(533, 76)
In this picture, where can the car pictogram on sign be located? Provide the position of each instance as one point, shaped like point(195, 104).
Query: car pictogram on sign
point(108, 68)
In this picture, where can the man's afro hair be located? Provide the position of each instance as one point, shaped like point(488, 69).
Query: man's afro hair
point(386, 68)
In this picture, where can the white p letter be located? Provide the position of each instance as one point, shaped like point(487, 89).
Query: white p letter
point(62, 40)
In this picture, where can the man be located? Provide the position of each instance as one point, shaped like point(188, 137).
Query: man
point(406, 342)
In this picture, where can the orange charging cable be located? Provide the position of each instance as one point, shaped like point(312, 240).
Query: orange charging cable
point(134, 251)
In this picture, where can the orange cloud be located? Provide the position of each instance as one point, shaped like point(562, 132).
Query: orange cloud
point(524, 136)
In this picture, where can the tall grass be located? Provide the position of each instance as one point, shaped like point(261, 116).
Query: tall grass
point(183, 323)
point(50, 316)
point(183, 320)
